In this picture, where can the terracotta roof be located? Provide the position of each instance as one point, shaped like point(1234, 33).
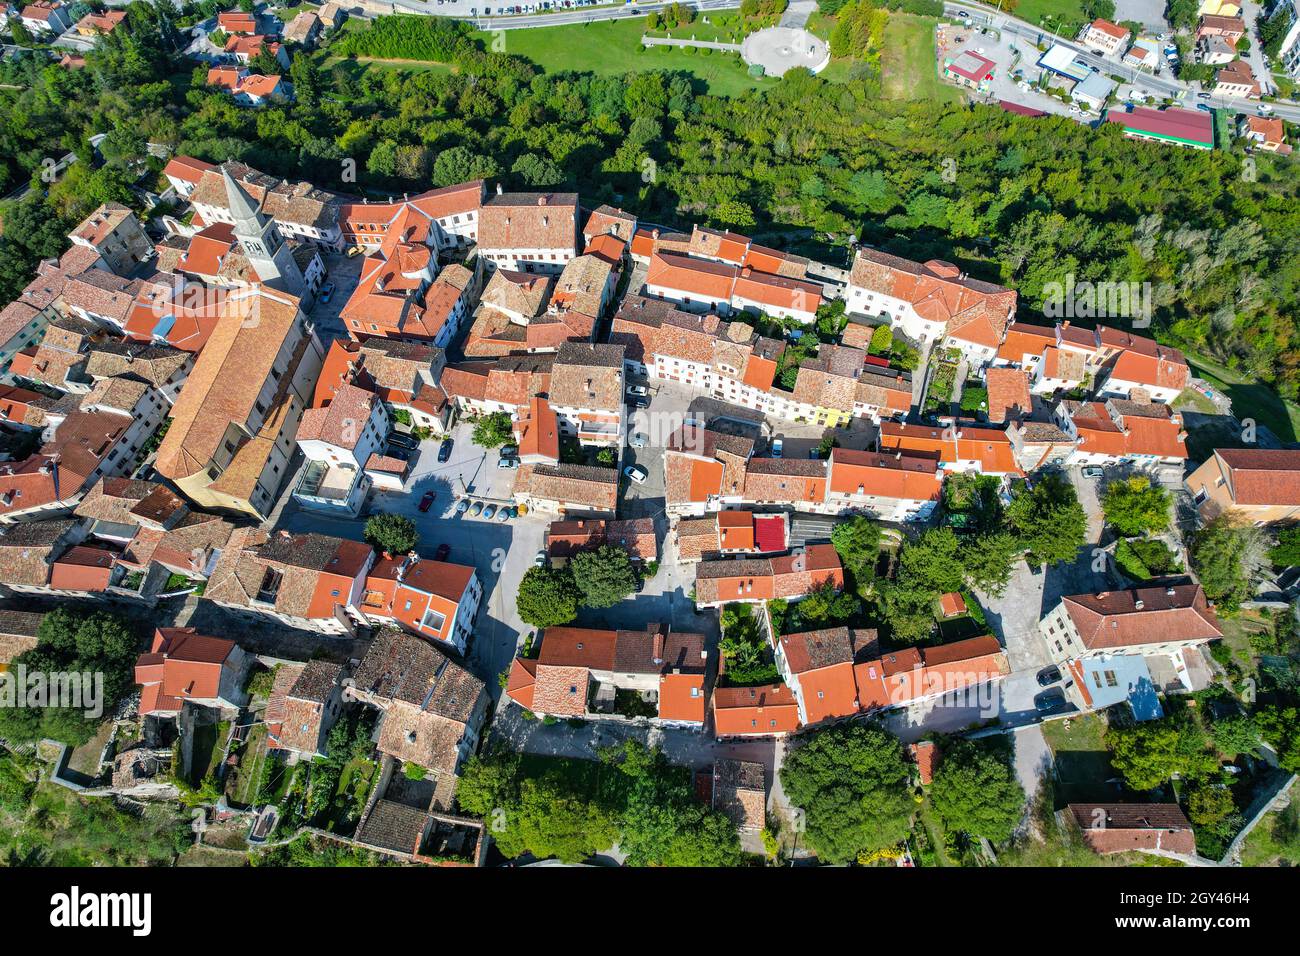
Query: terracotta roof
point(1142, 616)
point(1008, 393)
point(884, 475)
point(1262, 476)
point(529, 221)
point(768, 709)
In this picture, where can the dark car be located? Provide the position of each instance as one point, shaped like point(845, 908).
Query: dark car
point(443, 552)
point(403, 440)
point(444, 450)
point(427, 501)
point(508, 451)
point(1049, 676)
point(1051, 702)
point(326, 292)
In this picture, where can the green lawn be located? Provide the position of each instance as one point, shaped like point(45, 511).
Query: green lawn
point(908, 67)
point(1250, 399)
point(1269, 845)
point(613, 47)
point(1050, 13)
point(243, 784)
point(1081, 758)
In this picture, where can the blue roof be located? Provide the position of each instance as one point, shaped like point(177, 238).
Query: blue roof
point(1111, 680)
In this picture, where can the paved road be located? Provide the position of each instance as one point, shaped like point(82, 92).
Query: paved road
point(1162, 86)
point(462, 9)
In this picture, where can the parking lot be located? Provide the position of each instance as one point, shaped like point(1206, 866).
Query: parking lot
point(345, 272)
point(499, 551)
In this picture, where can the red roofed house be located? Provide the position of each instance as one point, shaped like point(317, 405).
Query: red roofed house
point(1237, 79)
point(931, 302)
point(1153, 620)
point(45, 16)
point(184, 173)
point(1105, 36)
point(236, 22)
point(1008, 394)
point(889, 487)
point(634, 536)
point(183, 666)
point(578, 672)
point(95, 24)
point(436, 599)
point(1268, 133)
point(757, 580)
point(1254, 485)
point(338, 437)
point(1146, 827)
point(1121, 431)
point(959, 447)
point(770, 710)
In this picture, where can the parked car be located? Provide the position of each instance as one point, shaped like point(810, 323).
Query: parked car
point(503, 513)
point(444, 450)
point(1051, 702)
point(443, 552)
point(490, 512)
point(963, 14)
point(637, 390)
point(507, 462)
point(777, 445)
point(1202, 96)
point(427, 501)
point(508, 451)
point(326, 292)
point(1049, 676)
point(1092, 471)
point(476, 510)
point(462, 506)
point(540, 560)
point(636, 440)
point(636, 473)
point(1204, 108)
point(403, 440)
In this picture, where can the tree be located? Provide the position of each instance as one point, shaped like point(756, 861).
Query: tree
point(1280, 726)
point(391, 533)
point(1226, 557)
point(1207, 805)
point(72, 641)
point(1134, 506)
point(603, 576)
point(857, 542)
point(548, 820)
point(975, 789)
point(1048, 519)
point(851, 783)
point(458, 164)
point(493, 430)
point(1150, 753)
point(547, 597)
point(988, 561)
point(882, 340)
point(1235, 734)
point(663, 823)
point(1286, 553)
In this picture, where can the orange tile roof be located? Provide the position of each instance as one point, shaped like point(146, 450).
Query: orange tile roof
point(884, 475)
point(766, 709)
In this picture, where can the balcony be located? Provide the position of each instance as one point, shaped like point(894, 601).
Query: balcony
point(327, 485)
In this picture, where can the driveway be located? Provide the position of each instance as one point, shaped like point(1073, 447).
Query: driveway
point(1033, 759)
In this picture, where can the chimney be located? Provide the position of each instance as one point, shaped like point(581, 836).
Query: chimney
point(541, 200)
point(1169, 591)
point(1139, 604)
point(1065, 324)
point(498, 189)
point(658, 653)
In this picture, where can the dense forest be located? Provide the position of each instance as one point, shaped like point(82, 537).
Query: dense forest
point(804, 163)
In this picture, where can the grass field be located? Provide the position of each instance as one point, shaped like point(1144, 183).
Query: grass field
point(1268, 845)
point(907, 66)
point(1250, 399)
point(1081, 758)
point(1047, 12)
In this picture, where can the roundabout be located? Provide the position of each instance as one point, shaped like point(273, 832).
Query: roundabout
point(780, 49)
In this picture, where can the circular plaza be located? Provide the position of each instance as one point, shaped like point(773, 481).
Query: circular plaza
point(779, 49)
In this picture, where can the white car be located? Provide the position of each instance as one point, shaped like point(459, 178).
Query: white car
point(637, 390)
point(777, 445)
point(636, 473)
